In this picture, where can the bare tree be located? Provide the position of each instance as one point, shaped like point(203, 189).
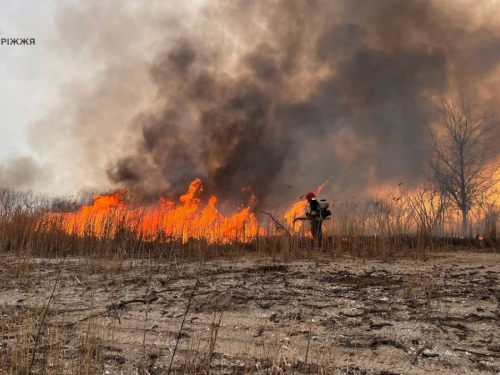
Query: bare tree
point(427, 208)
point(463, 152)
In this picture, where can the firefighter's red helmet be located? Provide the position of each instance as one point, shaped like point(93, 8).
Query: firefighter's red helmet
point(310, 195)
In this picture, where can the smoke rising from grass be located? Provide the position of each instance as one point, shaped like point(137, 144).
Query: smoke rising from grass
point(267, 94)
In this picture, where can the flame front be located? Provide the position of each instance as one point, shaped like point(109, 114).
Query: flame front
point(165, 221)
point(299, 210)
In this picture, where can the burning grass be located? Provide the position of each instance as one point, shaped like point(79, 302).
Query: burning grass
point(164, 221)
point(411, 223)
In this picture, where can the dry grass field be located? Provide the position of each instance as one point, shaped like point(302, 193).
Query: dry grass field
point(251, 315)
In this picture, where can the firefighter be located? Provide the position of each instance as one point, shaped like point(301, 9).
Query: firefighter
point(315, 217)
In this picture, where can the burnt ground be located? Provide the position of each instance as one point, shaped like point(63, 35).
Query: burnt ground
point(341, 316)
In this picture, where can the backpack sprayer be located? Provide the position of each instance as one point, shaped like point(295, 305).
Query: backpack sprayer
point(319, 210)
point(324, 211)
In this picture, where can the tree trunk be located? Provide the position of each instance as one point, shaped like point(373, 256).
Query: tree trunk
point(464, 223)
point(492, 232)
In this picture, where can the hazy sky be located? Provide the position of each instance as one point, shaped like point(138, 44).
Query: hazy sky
point(29, 75)
point(32, 78)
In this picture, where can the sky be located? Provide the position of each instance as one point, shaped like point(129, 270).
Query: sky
point(32, 77)
point(29, 75)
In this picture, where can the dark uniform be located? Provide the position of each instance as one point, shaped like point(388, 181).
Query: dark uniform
point(316, 220)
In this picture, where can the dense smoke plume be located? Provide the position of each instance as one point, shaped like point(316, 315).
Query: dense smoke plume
point(268, 94)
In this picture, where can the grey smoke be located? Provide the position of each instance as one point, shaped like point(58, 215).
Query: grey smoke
point(21, 173)
point(266, 94)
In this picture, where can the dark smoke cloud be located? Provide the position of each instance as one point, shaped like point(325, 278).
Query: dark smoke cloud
point(266, 94)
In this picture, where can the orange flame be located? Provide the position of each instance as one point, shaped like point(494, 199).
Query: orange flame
point(299, 210)
point(320, 187)
point(164, 221)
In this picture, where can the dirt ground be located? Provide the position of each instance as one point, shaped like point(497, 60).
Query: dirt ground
point(341, 316)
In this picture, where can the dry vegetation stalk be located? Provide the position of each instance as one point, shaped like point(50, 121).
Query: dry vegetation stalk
point(214, 330)
point(37, 337)
point(182, 326)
